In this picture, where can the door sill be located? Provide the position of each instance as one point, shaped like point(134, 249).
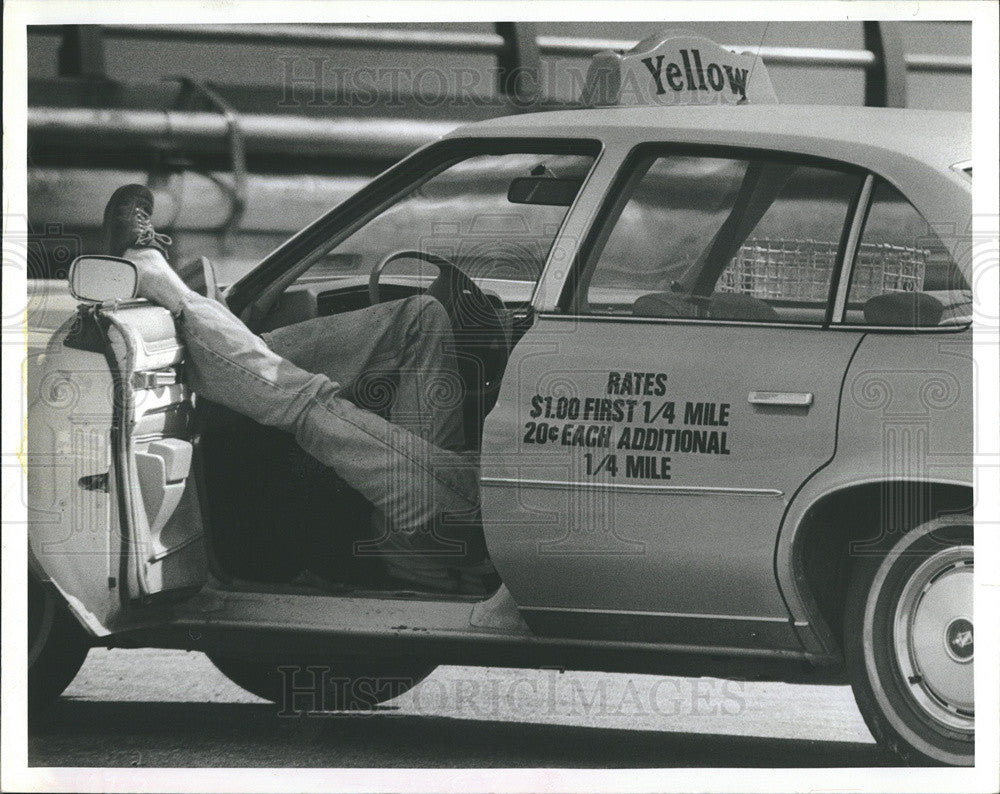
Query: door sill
point(336, 589)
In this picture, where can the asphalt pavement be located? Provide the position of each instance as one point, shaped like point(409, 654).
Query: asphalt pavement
point(157, 708)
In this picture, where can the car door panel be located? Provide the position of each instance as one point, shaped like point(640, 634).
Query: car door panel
point(653, 429)
point(660, 532)
point(73, 535)
point(166, 545)
point(114, 517)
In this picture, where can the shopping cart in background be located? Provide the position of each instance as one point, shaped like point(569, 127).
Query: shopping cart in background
point(800, 270)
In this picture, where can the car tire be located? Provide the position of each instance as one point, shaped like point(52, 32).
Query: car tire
point(908, 643)
point(347, 684)
point(57, 647)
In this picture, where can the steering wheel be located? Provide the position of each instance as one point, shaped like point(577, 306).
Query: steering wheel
point(481, 337)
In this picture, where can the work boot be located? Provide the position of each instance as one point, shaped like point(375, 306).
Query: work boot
point(128, 232)
point(128, 222)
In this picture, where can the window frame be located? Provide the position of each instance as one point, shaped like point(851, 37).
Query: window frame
point(871, 182)
point(621, 190)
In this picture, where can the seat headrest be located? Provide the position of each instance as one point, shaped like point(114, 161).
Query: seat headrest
point(662, 304)
point(737, 306)
point(904, 309)
point(721, 306)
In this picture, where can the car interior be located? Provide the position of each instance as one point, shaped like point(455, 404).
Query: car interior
point(282, 512)
point(275, 516)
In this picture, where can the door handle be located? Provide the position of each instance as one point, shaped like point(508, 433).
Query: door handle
point(784, 398)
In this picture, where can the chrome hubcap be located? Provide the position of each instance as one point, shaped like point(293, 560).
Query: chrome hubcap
point(934, 639)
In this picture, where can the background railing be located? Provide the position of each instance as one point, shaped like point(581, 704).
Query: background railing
point(515, 45)
point(237, 167)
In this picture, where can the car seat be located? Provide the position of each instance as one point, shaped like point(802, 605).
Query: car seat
point(720, 306)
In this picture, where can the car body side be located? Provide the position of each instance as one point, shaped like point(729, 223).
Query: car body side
point(909, 388)
point(901, 389)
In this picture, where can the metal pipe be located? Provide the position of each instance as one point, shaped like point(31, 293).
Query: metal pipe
point(367, 139)
point(569, 46)
point(314, 35)
point(783, 56)
point(939, 63)
point(790, 56)
point(803, 56)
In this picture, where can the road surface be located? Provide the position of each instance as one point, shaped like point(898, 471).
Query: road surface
point(171, 708)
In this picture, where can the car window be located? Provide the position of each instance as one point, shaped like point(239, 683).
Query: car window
point(722, 238)
point(493, 215)
point(903, 276)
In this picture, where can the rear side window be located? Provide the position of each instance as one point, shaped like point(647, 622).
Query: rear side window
point(721, 238)
point(903, 275)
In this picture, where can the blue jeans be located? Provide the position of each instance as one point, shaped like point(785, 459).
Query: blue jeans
point(373, 394)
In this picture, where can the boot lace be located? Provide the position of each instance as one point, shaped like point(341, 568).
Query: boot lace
point(146, 234)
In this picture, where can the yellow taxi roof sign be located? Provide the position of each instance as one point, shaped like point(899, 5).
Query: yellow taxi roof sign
point(676, 67)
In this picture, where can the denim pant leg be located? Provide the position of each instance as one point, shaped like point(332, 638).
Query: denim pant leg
point(406, 478)
point(395, 358)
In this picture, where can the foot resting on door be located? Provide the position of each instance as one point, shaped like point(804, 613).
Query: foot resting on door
point(129, 233)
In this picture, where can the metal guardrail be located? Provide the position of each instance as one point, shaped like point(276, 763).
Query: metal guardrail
point(939, 63)
point(388, 38)
point(195, 131)
point(773, 56)
point(367, 37)
point(159, 135)
point(515, 45)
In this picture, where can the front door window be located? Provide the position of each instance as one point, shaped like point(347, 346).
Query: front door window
point(495, 216)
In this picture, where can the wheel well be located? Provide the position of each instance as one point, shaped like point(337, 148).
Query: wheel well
point(844, 526)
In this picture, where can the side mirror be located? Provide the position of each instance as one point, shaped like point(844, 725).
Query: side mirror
point(97, 279)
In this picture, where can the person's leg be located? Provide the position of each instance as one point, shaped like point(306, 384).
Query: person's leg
point(395, 358)
point(406, 478)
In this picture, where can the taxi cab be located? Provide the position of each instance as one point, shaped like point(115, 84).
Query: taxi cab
point(715, 352)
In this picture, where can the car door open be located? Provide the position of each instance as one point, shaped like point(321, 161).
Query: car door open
point(153, 443)
point(113, 504)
